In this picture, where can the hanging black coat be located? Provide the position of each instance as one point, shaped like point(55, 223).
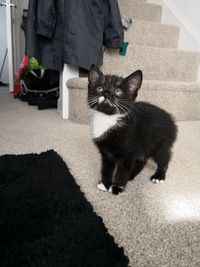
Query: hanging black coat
point(72, 31)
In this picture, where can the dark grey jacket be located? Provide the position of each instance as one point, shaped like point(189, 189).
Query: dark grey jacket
point(72, 31)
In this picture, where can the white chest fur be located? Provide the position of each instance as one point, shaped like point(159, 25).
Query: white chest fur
point(102, 123)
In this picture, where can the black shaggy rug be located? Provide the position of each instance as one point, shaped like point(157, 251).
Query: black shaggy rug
point(45, 220)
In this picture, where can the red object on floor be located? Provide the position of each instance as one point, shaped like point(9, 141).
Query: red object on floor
point(17, 87)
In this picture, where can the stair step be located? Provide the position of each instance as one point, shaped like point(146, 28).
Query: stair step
point(180, 99)
point(140, 10)
point(156, 63)
point(152, 34)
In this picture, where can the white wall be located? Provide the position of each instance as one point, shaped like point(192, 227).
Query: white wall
point(3, 44)
point(185, 14)
point(18, 37)
point(190, 10)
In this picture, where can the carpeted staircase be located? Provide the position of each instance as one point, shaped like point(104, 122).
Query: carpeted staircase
point(170, 75)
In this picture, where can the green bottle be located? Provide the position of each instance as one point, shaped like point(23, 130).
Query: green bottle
point(123, 49)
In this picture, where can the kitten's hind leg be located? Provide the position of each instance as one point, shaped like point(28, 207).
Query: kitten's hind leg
point(138, 166)
point(121, 177)
point(162, 158)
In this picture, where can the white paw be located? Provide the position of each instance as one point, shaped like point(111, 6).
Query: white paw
point(110, 189)
point(157, 181)
point(101, 187)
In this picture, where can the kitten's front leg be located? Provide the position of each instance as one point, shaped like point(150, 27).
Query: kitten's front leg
point(121, 177)
point(108, 166)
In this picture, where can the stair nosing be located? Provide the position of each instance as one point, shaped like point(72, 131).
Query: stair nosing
point(155, 23)
point(160, 48)
point(146, 3)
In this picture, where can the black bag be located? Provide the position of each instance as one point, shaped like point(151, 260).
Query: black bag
point(40, 87)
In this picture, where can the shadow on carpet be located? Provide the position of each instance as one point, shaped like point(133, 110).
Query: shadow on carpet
point(45, 219)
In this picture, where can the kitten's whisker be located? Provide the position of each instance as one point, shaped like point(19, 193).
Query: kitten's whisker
point(130, 105)
point(92, 98)
point(91, 104)
point(90, 101)
point(117, 108)
point(129, 108)
point(126, 103)
point(129, 114)
point(121, 105)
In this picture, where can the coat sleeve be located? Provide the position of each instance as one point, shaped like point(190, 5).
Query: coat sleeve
point(113, 30)
point(46, 18)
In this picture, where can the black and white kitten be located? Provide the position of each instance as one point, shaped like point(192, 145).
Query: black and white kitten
point(126, 132)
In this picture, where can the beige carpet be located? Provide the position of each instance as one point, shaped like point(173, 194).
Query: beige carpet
point(158, 225)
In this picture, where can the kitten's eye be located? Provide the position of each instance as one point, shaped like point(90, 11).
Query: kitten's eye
point(118, 92)
point(100, 89)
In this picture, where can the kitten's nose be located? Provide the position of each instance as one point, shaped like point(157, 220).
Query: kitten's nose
point(101, 99)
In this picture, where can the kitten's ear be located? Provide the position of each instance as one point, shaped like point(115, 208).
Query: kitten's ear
point(134, 81)
point(94, 74)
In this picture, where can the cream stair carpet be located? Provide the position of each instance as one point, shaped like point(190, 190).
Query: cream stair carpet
point(170, 75)
point(158, 225)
